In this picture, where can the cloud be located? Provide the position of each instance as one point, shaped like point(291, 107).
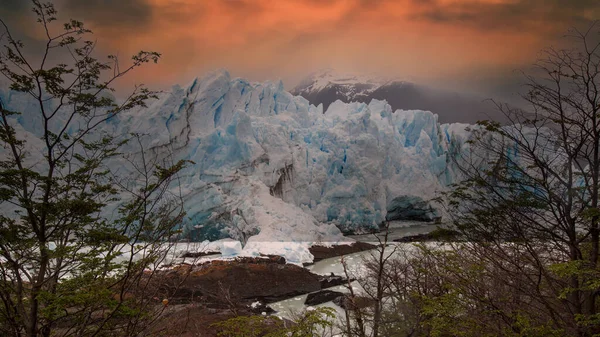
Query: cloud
point(114, 15)
point(13, 6)
point(510, 15)
point(425, 40)
point(111, 13)
point(12, 11)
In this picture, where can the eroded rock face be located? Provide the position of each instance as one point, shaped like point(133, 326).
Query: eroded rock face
point(408, 207)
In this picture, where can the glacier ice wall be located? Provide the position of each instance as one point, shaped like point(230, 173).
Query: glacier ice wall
point(267, 164)
point(343, 166)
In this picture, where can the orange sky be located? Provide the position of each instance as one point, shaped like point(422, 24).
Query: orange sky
point(451, 42)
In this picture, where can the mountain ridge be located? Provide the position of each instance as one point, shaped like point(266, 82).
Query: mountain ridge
point(327, 86)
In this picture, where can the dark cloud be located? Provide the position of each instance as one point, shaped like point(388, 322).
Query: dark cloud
point(470, 43)
point(111, 13)
point(20, 20)
point(12, 11)
point(519, 15)
point(14, 6)
point(101, 13)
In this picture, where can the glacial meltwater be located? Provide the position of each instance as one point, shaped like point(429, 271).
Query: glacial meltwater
point(354, 263)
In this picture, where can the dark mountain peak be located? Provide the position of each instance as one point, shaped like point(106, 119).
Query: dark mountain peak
point(327, 86)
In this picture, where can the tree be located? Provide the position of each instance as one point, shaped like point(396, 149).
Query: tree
point(66, 268)
point(531, 190)
point(376, 290)
point(308, 324)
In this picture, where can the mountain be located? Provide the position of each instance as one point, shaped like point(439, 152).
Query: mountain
point(269, 166)
point(327, 86)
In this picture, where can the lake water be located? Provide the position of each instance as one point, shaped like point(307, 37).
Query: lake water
point(354, 262)
point(398, 229)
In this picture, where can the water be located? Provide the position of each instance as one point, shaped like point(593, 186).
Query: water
point(334, 265)
point(354, 263)
point(397, 229)
point(288, 308)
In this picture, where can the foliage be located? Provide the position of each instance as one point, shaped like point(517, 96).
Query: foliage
point(309, 324)
point(65, 267)
point(452, 289)
point(529, 202)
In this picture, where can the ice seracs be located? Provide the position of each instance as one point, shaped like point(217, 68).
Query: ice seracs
point(270, 167)
point(255, 145)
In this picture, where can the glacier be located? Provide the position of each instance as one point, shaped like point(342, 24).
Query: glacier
point(270, 167)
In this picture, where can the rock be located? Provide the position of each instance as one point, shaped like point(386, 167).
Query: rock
point(332, 281)
point(198, 254)
point(322, 297)
point(275, 258)
point(415, 238)
point(259, 307)
point(242, 279)
point(359, 302)
point(323, 252)
point(439, 234)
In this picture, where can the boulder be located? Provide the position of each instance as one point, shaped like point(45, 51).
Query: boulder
point(332, 281)
point(322, 297)
point(359, 302)
point(259, 307)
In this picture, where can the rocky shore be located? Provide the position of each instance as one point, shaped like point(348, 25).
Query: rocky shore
point(203, 294)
